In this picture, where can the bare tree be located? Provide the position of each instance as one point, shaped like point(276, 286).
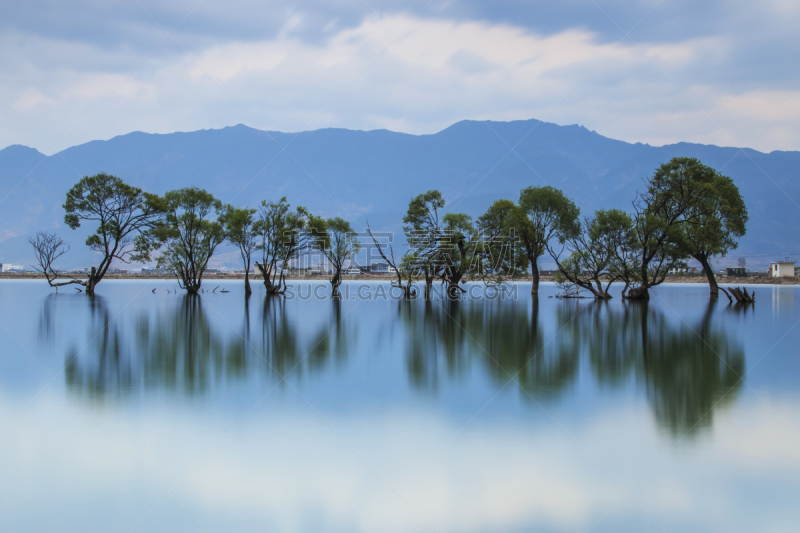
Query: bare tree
point(408, 292)
point(47, 247)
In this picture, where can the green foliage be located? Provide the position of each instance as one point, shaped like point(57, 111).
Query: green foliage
point(120, 211)
point(423, 230)
point(688, 209)
point(241, 230)
point(338, 241)
point(499, 253)
point(544, 214)
point(599, 252)
point(283, 235)
point(186, 233)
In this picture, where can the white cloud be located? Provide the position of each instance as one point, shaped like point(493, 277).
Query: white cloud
point(433, 73)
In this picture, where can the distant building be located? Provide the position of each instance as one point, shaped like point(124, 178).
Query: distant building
point(8, 267)
point(352, 271)
point(383, 268)
point(781, 269)
point(737, 271)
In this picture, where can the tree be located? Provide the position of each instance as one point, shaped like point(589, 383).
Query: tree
point(498, 251)
point(120, 211)
point(339, 243)
point(457, 250)
point(716, 220)
point(185, 234)
point(681, 196)
point(283, 235)
point(544, 214)
point(241, 230)
point(598, 252)
point(47, 247)
point(423, 231)
point(399, 271)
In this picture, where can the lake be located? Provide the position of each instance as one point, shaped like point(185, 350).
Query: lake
point(142, 411)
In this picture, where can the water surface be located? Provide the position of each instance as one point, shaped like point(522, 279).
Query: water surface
point(142, 411)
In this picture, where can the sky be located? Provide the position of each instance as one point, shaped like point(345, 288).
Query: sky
point(717, 72)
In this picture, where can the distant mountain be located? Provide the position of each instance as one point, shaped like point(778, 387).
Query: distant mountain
point(372, 175)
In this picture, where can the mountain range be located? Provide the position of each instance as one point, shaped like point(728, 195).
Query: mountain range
point(372, 175)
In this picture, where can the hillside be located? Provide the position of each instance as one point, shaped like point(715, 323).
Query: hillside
point(372, 174)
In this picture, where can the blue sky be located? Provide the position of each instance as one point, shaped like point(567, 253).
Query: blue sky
point(659, 72)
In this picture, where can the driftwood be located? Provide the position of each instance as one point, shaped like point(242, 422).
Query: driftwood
point(741, 295)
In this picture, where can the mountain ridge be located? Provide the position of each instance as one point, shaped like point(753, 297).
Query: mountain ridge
point(360, 174)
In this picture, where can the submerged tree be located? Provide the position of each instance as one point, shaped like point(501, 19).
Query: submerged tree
point(681, 196)
point(598, 252)
point(120, 212)
point(240, 230)
point(457, 245)
point(47, 247)
point(185, 233)
point(544, 214)
point(400, 270)
point(283, 236)
point(423, 230)
point(498, 251)
point(716, 221)
point(339, 243)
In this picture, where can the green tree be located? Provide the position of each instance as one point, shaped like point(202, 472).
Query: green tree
point(423, 230)
point(680, 196)
point(457, 245)
point(241, 230)
point(544, 214)
point(714, 225)
point(499, 252)
point(283, 234)
point(186, 234)
point(339, 243)
point(598, 252)
point(120, 211)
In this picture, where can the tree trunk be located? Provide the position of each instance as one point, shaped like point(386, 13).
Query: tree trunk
point(247, 289)
point(428, 287)
point(639, 293)
point(535, 274)
point(712, 280)
point(335, 282)
point(453, 290)
point(91, 282)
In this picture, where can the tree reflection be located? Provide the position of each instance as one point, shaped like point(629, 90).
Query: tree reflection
point(190, 347)
point(688, 370)
point(504, 337)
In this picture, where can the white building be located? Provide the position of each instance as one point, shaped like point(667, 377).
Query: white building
point(8, 267)
point(781, 269)
point(383, 268)
point(352, 271)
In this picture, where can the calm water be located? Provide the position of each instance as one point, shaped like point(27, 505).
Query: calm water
point(136, 411)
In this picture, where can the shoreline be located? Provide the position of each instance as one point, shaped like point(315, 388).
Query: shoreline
point(722, 280)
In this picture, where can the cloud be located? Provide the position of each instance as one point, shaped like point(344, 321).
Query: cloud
point(386, 69)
